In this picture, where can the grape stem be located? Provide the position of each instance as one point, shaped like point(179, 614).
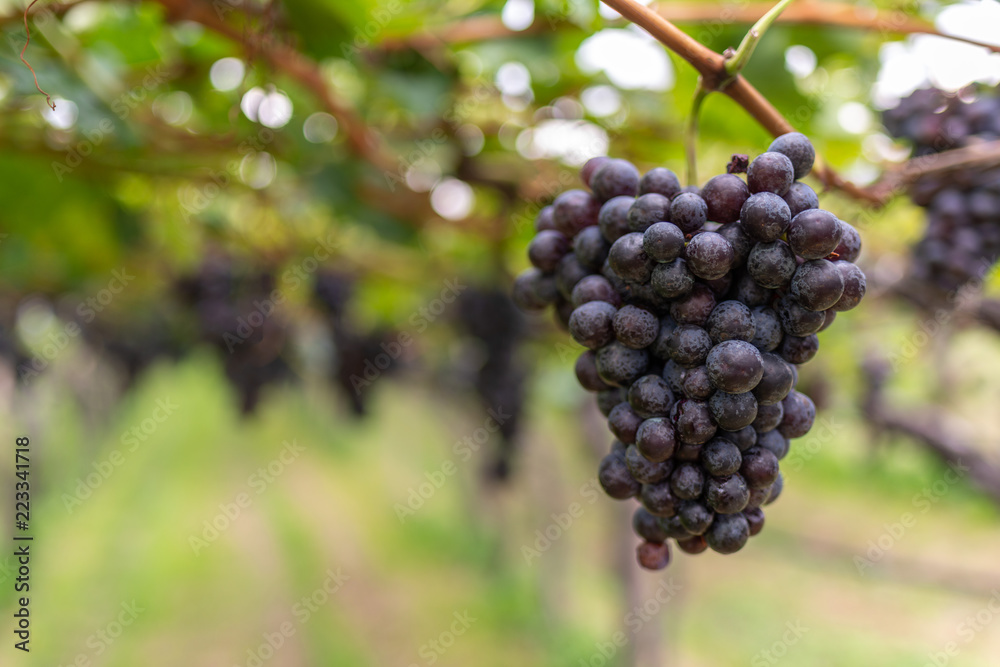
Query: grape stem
point(739, 59)
point(691, 133)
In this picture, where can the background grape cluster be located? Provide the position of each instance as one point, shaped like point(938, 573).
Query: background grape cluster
point(962, 237)
point(695, 307)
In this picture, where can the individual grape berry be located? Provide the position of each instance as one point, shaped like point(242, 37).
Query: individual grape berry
point(744, 439)
point(768, 417)
point(547, 248)
point(765, 217)
point(730, 320)
point(672, 279)
point(770, 172)
point(688, 212)
point(694, 307)
point(742, 244)
point(758, 497)
point(615, 178)
point(590, 248)
point(776, 489)
point(720, 457)
point(545, 219)
point(595, 288)
point(693, 545)
point(800, 197)
point(614, 478)
point(854, 286)
point(800, 412)
point(653, 556)
point(728, 533)
point(618, 447)
point(798, 149)
point(797, 320)
point(687, 481)
point(569, 272)
point(591, 166)
point(849, 247)
point(628, 259)
point(650, 396)
point(586, 372)
point(687, 452)
point(574, 210)
point(607, 399)
point(759, 467)
point(656, 439)
point(709, 255)
point(726, 495)
point(799, 350)
point(529, 293)
point(689, 345)
point(734, 366)
point(658, 499)
point(755, 519)
point(695, 517)
point(659, 346)
point(661, 181)
point(673, 528)
point(663, 241)
point(624, 422)
point(635, 327)
point(767, 329)
point(648, 209)
point(750, 292)
point(777, 379)
point(814, 234)
point(674, 374)
point(733, 411)
point(644, 470)
point(692, 422)
point(725, 195)
point(774, 442)
point(830, 316)
point(613, 218)
point(772, 265)
point(620, 366)
point(817, 284)
point(645, 525)
point(696, 383)
point(592, 324)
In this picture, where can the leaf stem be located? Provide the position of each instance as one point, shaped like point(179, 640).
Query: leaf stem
point(739, 59)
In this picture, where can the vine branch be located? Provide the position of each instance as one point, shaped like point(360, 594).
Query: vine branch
point(27, 32)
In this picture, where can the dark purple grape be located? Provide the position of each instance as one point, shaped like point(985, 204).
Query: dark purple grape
point(615, 178)
point(674, 374)
point(730, 320)
point(694, 307)
point(663, 241)
point(854, 286)
point(545, 219)
point(595, 288)
point(688, 452)
point(745, 438)
point(770, 172)
point(692, 422)
point(814, 234)
point(569, 272)
point(635, 327)
point(695, 517)
point(755, 519)
point(645, 525)
point(609, 398)
point(689, 345)
point(590, 248)
point(661, 181)
point(659, 346)
point(800, 197)
point(687, 481)
point(831, 315)
point(817, 284)
point(774, 442)
point(688, 212)
point(800, 412)
point(757, 498)
point(592, 324)
point(646, 210)
point(726, 495)
point(738, 238)
point(628, 259)
point(765, 217)
point(530, 291)
point(652, 556)
point(644, 470)
point(614, 478)
point(696, 383)
point(672, 279)
point(799, 350)
point(720, 457)
point(650, 396)
point(767, 329)
point(776, 489)
point(759, 467)
point(797, 320)
point(750, 292)
point(849, 247)
point(693, 545)
point(656, 439)
point(725, 195)
point(734, 366)
point(772, 265)
point(586, 372)
point(777, 379)
point(620, 366)
point(658, 499)
point(613, 218)
point(709, 255)
point(798, 149)
point(574, 210)
point(733, 411)
point(768, 417)
point(588, 169)
point(728, 533)
point(624, 423)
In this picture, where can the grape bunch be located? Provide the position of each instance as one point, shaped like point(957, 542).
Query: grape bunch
point(962, 237)
point(695, 307)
